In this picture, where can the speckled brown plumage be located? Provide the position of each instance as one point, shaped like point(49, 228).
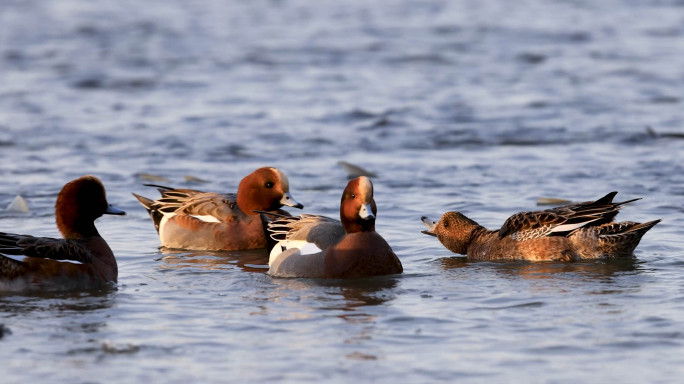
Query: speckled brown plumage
point(10, 269)
point(571, 232)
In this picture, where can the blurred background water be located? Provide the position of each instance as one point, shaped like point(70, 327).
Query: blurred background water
point(477, 106)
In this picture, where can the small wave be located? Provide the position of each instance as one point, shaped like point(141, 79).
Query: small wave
point(533, 304)
point(126, 84)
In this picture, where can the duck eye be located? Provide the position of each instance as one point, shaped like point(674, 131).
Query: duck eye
point(446, 223)
point(268, 184)
point(353, 196)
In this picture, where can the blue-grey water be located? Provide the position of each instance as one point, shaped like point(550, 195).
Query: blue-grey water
point(477, 106)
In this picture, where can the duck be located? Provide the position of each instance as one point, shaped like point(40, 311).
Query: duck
point(315, 246)
point(570, 232)
point(82, 259)
point(195, 220)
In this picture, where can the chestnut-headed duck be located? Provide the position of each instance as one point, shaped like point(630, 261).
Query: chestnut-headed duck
point(190, 219)
point(567, 233)
point(320, 247)
point(81, 260)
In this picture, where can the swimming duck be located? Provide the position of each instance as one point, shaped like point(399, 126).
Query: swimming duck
point(81, 260)
point(570, 232)
point(190, 219)
point(321, 247)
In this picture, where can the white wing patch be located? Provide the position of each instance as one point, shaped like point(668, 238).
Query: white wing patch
point(168, 216)
point(572, 227)
point(309, 249)
point(70, 261)
point(21, 258)
point(303, 247)
point(548, 230)
point(207, 218)
point(15, 257)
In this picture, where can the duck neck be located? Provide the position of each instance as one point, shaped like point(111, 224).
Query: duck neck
point(74, 228)
point(480, 241)
point(246, 205)
point(248, 200)
point(352, 226)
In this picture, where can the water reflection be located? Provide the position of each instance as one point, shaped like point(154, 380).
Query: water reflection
point(595, 269)
point(359, 293)
point(454, 262)
point(71, 313)
point(254, 260)
point(591, 269)
point(346, 295)
point(353, 307)
point(354, 301)
point(592, 275)
point(79, 301)
point(360, 297)
point(538, 284)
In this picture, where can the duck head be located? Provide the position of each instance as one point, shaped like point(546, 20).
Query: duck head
point(454, 230)
point(357, 208)
point(79, 203)
point(266, 189)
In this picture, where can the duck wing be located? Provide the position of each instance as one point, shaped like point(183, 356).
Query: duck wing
point(319, 230)
point(206, 206)
point(561, 221)
point(16, 247)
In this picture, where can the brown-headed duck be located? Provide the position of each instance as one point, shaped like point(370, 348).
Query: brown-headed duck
point(320, 247)
point(190, 219)
point(567, 233)
point(81, 260)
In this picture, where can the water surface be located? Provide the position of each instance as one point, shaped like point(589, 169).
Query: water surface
point(477, 106)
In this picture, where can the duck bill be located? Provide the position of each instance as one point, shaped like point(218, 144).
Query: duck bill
point(366, 212)
point(289, 201)
point(112, 210)
point(430, 224)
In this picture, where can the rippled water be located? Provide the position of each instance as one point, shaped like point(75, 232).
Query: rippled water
point(479, 106)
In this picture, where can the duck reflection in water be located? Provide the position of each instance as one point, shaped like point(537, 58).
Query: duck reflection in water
point(352, 300)
point(80, 312)
point(591, 270)
point(252, 260)
point(361, 293)
point(356, 293)
point(78, 301)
